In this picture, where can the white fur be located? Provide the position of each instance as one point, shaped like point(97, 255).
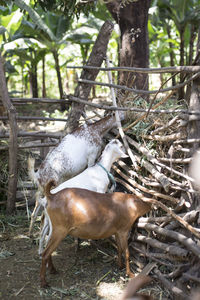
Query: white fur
point(76, 151)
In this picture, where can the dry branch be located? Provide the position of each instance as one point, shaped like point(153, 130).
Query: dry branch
point(172, 250)
point(141, 92)
point(135, 109)
point(184, 69)
point(187, 242)
point(159, 176)
point(27, 118)
point(142, 188)
point(168, 284)
point(165, 138)
point(164, 207)
point(176, 160)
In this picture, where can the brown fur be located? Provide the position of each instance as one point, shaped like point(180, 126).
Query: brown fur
point(90, 215)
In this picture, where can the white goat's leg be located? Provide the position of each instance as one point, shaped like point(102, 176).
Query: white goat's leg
point(35, 211)
point(43, 233)
point(46, 231)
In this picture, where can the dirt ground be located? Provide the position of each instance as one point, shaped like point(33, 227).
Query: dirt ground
point(91, 273)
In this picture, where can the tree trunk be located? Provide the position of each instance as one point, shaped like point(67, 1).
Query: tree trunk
point(134, 51)
point(171, 53)
point(43, 79)
point(12, 164)
point(182, 54)
point(33, 81)
point(96, 58)
point(57, 66)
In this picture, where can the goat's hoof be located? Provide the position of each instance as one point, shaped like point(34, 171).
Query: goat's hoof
point(53, 271)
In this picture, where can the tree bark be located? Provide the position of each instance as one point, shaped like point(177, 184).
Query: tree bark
point(96, 58)
point(57, 66)
point(134, 49)
point(44, 94)
point(33, 81)
point(12, 164)
point(182, 55)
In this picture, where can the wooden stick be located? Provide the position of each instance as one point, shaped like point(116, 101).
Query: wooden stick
point(184, 69)
point(159, 176)
point(142, 188)
point(27, 118)
point(168, 284)
point(136, 109)
point(187, 242)
point(119, 125)
point(172, 250)
point(141, 92)
point(165, 208)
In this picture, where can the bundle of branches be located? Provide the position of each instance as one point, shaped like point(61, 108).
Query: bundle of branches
point(169, 236)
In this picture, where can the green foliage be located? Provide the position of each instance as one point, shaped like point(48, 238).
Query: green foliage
point(68, 8)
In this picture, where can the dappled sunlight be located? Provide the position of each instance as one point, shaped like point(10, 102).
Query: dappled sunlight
point(21, 236)
point(110, 290)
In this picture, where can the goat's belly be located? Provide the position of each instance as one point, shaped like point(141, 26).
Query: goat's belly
point(92, 233)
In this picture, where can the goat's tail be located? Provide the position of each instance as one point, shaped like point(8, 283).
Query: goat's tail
point(48, 188)
point(31, 172)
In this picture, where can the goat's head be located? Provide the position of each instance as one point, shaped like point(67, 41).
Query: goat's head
point(117, 148)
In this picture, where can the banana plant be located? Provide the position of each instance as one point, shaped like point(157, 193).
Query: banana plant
point(48, 28)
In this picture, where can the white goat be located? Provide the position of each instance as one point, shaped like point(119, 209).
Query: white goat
point(76, 151)
point(94, 178)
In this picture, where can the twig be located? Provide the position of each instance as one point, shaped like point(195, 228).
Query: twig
point(104, 276)
point(20, 290)
point(154, 107)
point(164, 127)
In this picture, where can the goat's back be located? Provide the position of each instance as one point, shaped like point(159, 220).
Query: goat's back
point(69, 158)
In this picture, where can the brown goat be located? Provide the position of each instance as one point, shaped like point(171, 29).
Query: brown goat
point(90, 215)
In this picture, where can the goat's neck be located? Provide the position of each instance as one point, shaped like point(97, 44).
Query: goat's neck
point(104, 125)
point(107, 160)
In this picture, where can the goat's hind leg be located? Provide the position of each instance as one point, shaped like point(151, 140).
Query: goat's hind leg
point(122, 244)
point(56, 237)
